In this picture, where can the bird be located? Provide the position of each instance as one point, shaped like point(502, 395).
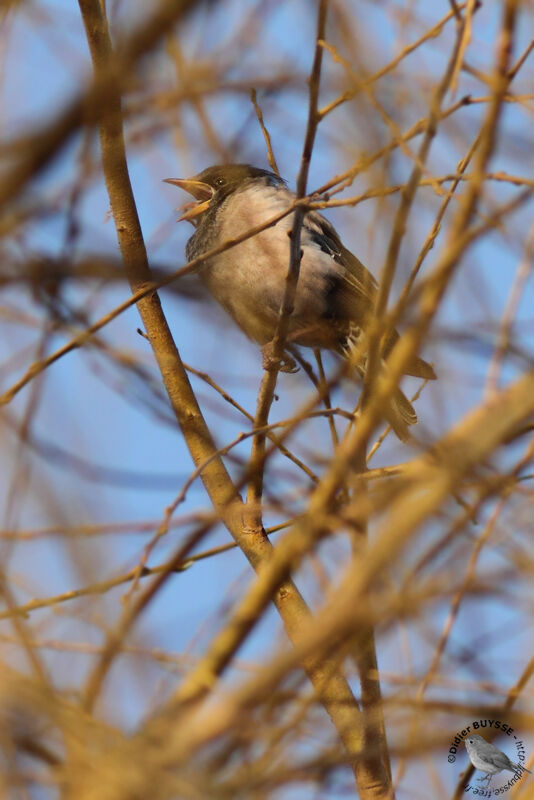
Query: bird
point(335, 296)
point(488, 758)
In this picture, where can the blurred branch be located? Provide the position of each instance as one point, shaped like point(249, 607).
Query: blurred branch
point(363, 83)
point(428, 481)
point(93, 103)
point(379, 329)
point(144, 292)
point(465, 24)
point(524, 271)
point(134, 255)
point(101, 587)
point(449, 525)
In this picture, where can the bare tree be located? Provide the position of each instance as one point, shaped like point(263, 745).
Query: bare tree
point(389, 597)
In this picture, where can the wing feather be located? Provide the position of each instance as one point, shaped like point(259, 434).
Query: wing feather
point(356, 288)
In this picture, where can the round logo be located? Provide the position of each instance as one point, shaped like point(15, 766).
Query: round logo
point(496, 770)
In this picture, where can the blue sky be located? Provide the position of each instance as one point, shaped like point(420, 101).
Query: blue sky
point(88, 406)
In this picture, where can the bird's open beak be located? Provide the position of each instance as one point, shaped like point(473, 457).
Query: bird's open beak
point(202, 192)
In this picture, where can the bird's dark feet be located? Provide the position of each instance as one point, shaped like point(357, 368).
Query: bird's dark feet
point(286, 363)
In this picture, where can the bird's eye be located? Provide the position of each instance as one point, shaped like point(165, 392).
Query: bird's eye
point(220, 182)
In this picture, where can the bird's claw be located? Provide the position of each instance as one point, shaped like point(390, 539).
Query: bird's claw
point(289, 365)
point(269, 361)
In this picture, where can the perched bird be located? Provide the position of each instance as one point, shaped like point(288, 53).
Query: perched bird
point(335, 293)
point(488, 758)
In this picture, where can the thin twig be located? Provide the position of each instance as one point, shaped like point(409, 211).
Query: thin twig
point(266, 135)
point(266, 392)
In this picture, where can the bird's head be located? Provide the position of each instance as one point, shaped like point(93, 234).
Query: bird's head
point(212, 185)
point(475, 737)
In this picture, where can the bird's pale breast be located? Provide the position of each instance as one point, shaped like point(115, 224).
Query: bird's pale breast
point(249, 280)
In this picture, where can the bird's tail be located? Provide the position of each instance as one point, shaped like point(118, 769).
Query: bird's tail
point(521, 768)
point(400, 414)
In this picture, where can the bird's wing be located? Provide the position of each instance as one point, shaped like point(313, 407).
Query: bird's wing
point(357, 281)
point(495, 756)
point(356, 288)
